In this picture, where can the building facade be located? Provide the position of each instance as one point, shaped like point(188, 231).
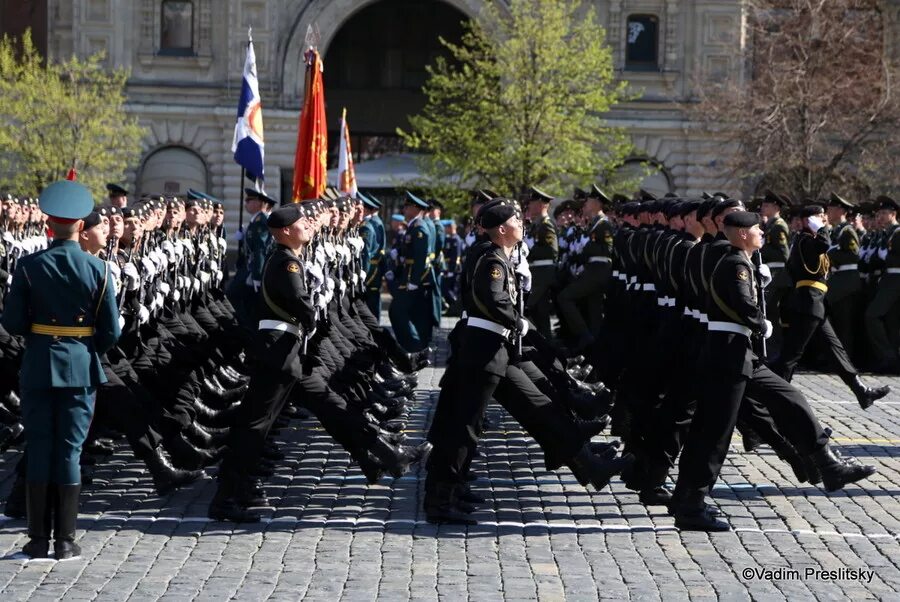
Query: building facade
point(186, 58)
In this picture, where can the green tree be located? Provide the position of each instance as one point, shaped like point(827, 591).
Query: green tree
point(60, 114)
point(521, 104)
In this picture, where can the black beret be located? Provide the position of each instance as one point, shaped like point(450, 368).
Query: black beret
point(811, 210)
point(564, 206)
point(285, 216)
point(886, 202)
point(689, 206)
point(130, 212)
point(672, 209)
point(742, 219)
point(92, 220)
point(496, 212)
point(116, 190)
point(721, 206)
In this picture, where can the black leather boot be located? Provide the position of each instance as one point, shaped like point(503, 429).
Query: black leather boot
point(203, 437)
point(837, 471)
point(396, 460)
point(184, 455)
point(866, 396)
point(167, 478)
point(589, 428)
point(9, 434)
point(593, 470)
point(226, 507)
point(39, 506)
point(442, 506)
point(64, 518)
point(699, 519)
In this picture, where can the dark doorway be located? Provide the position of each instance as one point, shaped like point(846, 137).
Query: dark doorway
point(375, 67)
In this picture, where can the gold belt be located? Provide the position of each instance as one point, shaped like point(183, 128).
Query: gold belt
point(813, 284)
point(63, 331)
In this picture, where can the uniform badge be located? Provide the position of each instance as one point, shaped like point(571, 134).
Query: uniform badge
point(743, 275)
point(420, 235)
point(293, 267)
point(548, 239)
point(496, 273)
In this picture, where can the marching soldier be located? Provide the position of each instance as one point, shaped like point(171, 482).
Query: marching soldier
point(63, 302)
point(118, 196)
point(883, 312)
point(775, 254)
point(595, 255)
point(543, 244)
point(373, 254)
point(256, 241)
point(844, 284)
point(805, 310)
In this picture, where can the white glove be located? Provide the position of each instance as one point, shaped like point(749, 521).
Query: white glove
point(766, 275)
point(164, 288)
point(525, 272)
point(523, 326)
point(179, 249)
point(412, 287)
point(815, 223)
point(213, 266)
point(394, 254)
point(223, 244)
point(143, 315)
point(769, 329)
point(159, 300)
point(149, 268)
point(176, 295)
point(132, 277)
point(239, 235)
point(196, 285)
point(389, 275)
point(204, 277)
point(882, 254)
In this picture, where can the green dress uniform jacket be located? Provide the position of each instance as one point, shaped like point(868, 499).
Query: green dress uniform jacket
point(844, 256)
point(57, 291)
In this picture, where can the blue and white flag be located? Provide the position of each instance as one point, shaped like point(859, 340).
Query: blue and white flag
point(248, 144)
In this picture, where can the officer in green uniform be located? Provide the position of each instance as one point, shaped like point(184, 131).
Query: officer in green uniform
point(775, 255)
point(543, 243)
point(411, 310)
point(373, 254)
point(62, 300)
point(883, 313)
point(256, 240)
point(844, 284)
point(591, 285)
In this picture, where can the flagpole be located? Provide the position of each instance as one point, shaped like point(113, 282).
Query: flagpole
point(241, 221)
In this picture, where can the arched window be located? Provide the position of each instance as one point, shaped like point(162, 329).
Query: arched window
point(177, 32)
point(642, 43)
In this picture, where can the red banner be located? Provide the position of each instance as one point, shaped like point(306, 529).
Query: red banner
point(310, 161)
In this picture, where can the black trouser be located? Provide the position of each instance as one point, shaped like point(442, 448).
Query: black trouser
point(723, 392)
point(118, 406)
point(845, 317)
point(803, 330)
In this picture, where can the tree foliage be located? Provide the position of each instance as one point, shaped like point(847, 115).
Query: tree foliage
point(522, 104)
point(820, 108)
point(59, 114)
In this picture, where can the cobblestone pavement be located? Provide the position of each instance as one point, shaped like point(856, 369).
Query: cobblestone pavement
point(541, 535)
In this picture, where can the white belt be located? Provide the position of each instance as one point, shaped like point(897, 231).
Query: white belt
point(730, 327)
point(279, 325)
point(892, 271)
point(599, 259)
point(649, 286)
point(665, 302)
point(464, 315)
point(689, 312)
point(775, 264)
point(488, 325)
point(622, 277)
point(632, 280)
point(702, 317)
point(845, 268)
point(615, 273)
point(541, 263)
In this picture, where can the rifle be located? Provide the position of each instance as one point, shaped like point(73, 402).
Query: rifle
point(520, 301)
point(761, 299)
